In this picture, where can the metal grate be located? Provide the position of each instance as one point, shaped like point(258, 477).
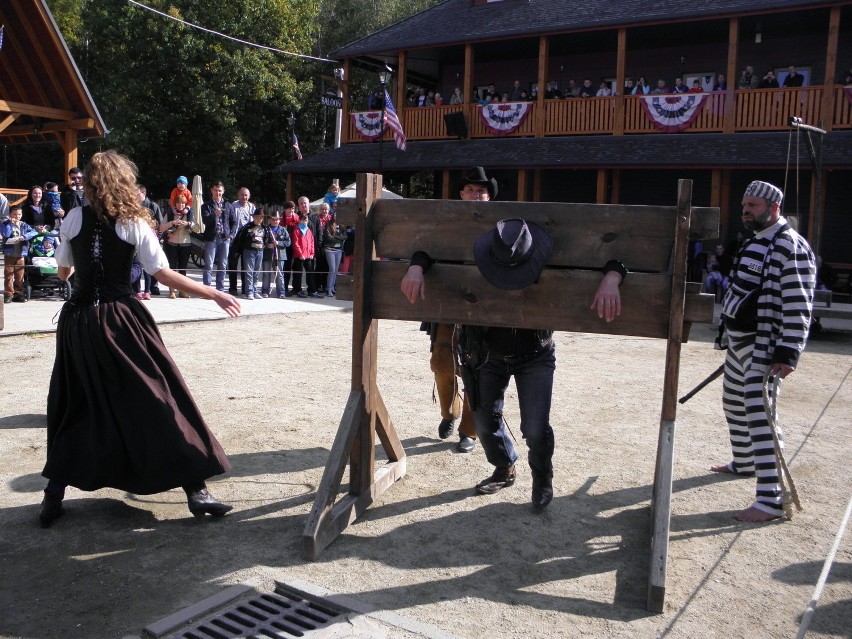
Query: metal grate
point(285, 613)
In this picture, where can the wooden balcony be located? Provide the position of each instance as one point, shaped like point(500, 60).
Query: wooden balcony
point(755, 110)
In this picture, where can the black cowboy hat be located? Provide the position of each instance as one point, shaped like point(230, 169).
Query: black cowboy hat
point(512, 255)
point(477, 176)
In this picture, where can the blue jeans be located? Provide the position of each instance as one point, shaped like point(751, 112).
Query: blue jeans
point(534, 381)
point(270, 272)
point(333, 257)
point(252, 263)
point(215, 253)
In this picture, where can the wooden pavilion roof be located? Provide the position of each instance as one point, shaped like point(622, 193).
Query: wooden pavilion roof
point(42, 94)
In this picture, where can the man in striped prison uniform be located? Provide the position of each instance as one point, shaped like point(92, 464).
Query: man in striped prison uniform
point(766, 311)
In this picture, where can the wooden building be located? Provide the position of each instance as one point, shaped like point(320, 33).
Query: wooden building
point(610, 149)
point(43, 97)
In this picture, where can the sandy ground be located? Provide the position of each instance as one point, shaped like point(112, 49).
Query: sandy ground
point(273, 391)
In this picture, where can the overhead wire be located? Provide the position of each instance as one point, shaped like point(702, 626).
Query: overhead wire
point(232, 38)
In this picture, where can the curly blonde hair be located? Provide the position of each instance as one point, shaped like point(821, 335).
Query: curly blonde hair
point(110, 185)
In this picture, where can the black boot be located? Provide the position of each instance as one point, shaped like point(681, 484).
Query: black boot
point(501, 478)
point(51, 508)
point(200, 501)
point(542, 490)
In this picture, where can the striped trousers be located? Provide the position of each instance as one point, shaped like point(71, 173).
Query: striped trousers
point(750, 432)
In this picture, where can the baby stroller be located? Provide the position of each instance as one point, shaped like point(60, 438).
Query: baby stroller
point(40, 272)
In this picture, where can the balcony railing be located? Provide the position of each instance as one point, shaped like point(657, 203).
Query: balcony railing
point(755, 110)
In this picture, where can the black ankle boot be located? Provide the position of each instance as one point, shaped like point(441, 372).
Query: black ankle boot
point(201, 502)
point(51, 509)
point(542, 490)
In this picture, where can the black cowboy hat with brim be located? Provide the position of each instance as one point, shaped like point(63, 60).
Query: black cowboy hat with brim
point(512, 255)
point(477, 176)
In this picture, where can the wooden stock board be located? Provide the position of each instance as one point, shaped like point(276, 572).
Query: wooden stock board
point(651, 240)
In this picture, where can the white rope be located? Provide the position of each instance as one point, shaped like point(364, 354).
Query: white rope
point(826, 567)
point(227, 37)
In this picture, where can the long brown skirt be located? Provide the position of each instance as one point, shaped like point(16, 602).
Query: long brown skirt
point(119, 413)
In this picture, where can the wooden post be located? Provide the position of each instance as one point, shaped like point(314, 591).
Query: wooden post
point(345, 126)
point(536, 197)
point(522, 185)
point(69, 146)
point(445, 184)
point(543, 53)
point(365, 414)
point(600, 193)
point(401, 74)
point(730, 117)
point(615, 193)
point(618, 115)
point(468, 73)
point(662, 494)
point(827, 111)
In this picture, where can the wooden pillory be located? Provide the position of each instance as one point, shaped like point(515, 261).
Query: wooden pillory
point(656, 302)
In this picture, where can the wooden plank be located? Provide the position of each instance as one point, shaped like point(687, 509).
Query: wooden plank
point(457, 293)
point(662, 492)
point(698, 308)
point(350, 422)
point(38, 111)
point(386, 430)
point(661, 508)
point(584, 235)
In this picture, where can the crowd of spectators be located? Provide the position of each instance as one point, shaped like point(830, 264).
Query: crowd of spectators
point(587, 88)
point(270, 251)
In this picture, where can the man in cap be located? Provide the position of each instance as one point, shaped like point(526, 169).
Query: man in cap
point(511, 257)
point(475, 186)
point(766, 312)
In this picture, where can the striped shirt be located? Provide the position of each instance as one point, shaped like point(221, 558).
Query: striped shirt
point(785, 303)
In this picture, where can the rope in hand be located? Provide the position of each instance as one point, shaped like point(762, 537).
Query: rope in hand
point(771, 386)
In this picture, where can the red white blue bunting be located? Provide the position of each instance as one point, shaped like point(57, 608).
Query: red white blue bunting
point(504, 117)
point(368, 124)
point(672, 113)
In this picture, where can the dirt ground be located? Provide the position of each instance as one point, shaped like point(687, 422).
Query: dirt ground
point(273, 390)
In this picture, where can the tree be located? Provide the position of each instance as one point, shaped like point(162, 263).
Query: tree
point(181, 101)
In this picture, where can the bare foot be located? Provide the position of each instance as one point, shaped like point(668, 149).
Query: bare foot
point(755, 515)
point(721, 468)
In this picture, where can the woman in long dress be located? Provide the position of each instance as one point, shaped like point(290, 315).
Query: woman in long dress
point(119, 413)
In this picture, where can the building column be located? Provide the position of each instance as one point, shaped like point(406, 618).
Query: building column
point(543, 54)
point(827, 111)
point(621, 55)
point(600, 195)
point(445, 184)
point(522, 185)
point(536, 195)
point(69, 146)
point(730, 116)
point(615, 189)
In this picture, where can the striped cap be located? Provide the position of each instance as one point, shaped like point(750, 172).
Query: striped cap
point(765, 190)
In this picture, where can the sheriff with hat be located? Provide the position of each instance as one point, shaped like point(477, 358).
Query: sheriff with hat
point(511, 256)
point(766, 313)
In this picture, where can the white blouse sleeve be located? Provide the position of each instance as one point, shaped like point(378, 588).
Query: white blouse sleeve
point(69, 228)
point(147, 244)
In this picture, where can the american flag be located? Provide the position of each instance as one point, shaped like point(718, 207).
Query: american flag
point(392, 120)
point(295, 142)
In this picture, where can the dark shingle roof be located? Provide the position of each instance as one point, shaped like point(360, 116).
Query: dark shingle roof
point(700, 150)
point(458, 21)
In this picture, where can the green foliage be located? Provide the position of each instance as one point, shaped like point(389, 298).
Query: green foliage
point(180, 101)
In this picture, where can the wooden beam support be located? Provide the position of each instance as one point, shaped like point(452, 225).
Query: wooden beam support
point(468, 73)
point(69, 146)
point(53, 127)
point(543, 55)
point(729, 120)
point(600, 191)
point(827, 110)
point(615, 192)
point(401, 79)
point(522, 185)
point(38, 111)
point(620, 65)
point(662, 492)
point(7, 121)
